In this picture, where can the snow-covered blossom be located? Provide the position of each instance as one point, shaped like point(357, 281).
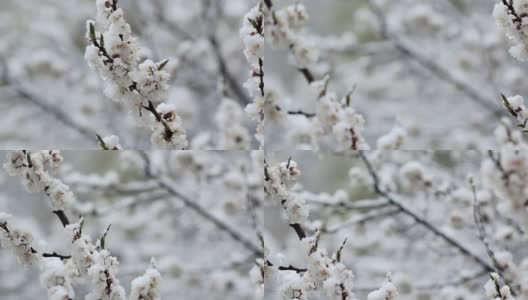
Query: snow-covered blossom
point(504, 173)
point(295, 286)
point(329, 274)
point(17, 238)
point(252, 35)
point(347, 130)
point(152, 81)
point(323, 273)
point(115, 55)
point(146, 287)
point(494, 291)
point(56, 279)
point(283, 26)
point(280, 178)
point(34, 169)
point(168, 132)
point(297, 15)
point(339, 118)
point(278, 182)
point(510, 16)
point(387, 292)
point(516, 108)
point(392, 140)
point(97, 263)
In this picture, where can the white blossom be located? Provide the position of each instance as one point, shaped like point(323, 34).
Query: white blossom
point(146, 287)
point(387, 292)
point(252, 35)
point(34, 169)
point(114, 53)
point(392, 140)
point(16, 237)
point(495, 291)
point(56, 278)
point(513, 25)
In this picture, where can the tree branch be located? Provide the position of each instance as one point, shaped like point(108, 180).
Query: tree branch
point(462, 249)
point(58, 114)
point(167, 185)
point(433, 67)
point(62, 217)
point(226, 73)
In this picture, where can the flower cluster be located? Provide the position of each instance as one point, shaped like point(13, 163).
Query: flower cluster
point(327, 273)
point(114, 53)
point(96, 262)
point(168, 132)
point(495, 291)
point(14, 236)
point(334, 118)
point(504, 173)
point(515, 106)
point(323, 273)
point(510, 17)
point(146, 286)
point(387, 292)
point(56, 277)
point(392, 140)
point(86, 259)
point(34, 169)
point(252, 35)
point(339, 118)
point(283, 26)
point(279, 180)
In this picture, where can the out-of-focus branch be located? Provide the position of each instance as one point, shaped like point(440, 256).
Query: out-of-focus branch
point(167, 185)
point(377, 189)
point(477, 215)
point(365, 204)
point(55, 112)
point(226, 73)
point(440, 72)
point(133, 187)
point(363, 219)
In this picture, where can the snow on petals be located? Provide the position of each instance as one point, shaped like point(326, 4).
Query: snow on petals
point(34, 170)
